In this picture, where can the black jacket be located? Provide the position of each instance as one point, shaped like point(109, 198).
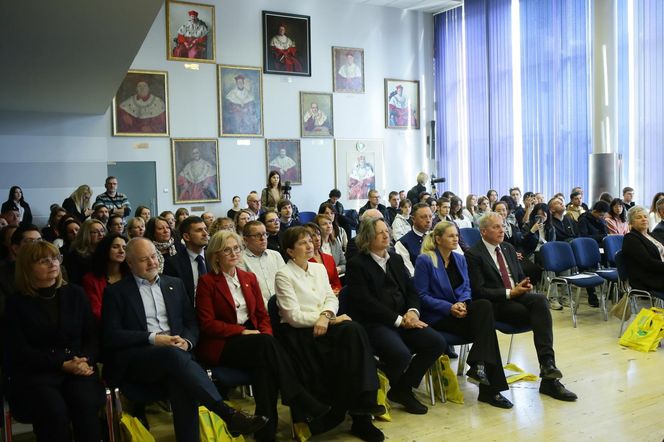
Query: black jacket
point(644, 264)
point(485, 280)
point(592, 227)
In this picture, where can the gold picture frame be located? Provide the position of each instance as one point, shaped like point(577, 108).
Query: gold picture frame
point(240, 101)
point(195, 170)
point(284, 156)
point(402, 109)
point(348, 70)
point(316, 115)
point(190, 32)
point(140, 106)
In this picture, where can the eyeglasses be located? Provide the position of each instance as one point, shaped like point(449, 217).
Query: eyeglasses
point(228, 251)
point(50, 260)
point(98, 232)
point(257, 235)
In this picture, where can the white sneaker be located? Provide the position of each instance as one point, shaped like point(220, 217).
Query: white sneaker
point(555, 305)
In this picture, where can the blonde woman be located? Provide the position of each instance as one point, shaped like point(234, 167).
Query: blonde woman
point(78, 203)
point(78, 261)
point(442, 282)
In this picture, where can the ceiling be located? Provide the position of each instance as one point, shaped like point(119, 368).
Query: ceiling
point(432, 6)
point(69, 55)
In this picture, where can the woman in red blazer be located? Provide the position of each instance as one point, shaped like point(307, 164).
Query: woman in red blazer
point(236, 332)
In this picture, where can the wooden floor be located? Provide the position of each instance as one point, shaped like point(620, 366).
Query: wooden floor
point(621, 396)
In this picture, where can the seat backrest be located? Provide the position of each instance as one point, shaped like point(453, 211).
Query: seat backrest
point(612, 244)
point(470, 235)
point(557, 256)
point(621, 266)
point(306, 217)
point(586, 253)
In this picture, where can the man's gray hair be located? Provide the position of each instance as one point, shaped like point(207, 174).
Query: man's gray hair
point(485, 220)
point(367, 233)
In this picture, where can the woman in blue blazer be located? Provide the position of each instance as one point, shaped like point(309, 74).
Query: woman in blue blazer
point(441, 280)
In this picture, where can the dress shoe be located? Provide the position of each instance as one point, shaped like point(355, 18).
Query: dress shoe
point(548, 370)
point(408, 400)
point(328, 422)
point(364, 429)
point(244, 423)
point(451, 353)
point(478, 374)
point(555, 389)
point(496, 400)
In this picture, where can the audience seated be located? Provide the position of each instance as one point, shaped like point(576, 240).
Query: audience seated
point(605, 196)
point(236, 332)
point(180, 215)
point(565, 228)
point(329, 243)
point(443, 213)
point(628, 198)
point(52, 350)
point(16, 201)
point(345, 223)
point(100, 212)
point(374, 203)
point(258, 259)
point(456, 212)
point(575, 208)
point(78, 203)
point(656, 214)
point(393, 206)
point(592, 223)
point(335, 353)
point(272, 193)
point(270, 220)
point(323, 258)
point(471, 207)
point(254, 206)
point(382, 297)
point(78, 259)
point(616, 220)
point(285, 210)
point(432, 203)
point(242, 218)
point(643, 253)
point(156, 349)
point(208, 218)
point(143, 212)
point(115, 224)
point(410, 245)
point(136, 227)
point(168, 216)
point(159, 232)
point(483, 206)
point(496, 275)
point(189, 264)
point(338, 233)
point(10, 216)
point(108, 266)
point(493, 196)
point(442, 282)
point(401, 223)
point(223, 223)
point(537, 231)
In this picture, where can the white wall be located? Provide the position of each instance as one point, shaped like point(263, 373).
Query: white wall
point(397, 44)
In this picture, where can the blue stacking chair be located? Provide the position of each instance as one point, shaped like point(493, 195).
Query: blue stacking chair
point(511, 330)
point(587, 256)
point(630, 292)
point(557, 257)
point(470, 235)
point(306, 217)
point(611, 245)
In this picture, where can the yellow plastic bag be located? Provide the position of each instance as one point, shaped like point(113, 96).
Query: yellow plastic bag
point(383, 385)
point(443, 371)
point(301, 431)
point(645, 332)
point(519, 374)
point(132, 430)
point(213, 428)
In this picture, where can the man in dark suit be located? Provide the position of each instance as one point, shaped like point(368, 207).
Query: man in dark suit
point(149, 329)
point(495, 274)
point(381, 296)
point(189, 264)
point(373, 202)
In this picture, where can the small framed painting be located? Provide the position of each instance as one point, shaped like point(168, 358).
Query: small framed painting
point(358, 168)
point(240, 90)
point(286, 44)
point(195, 170)
point(348, 69)
point(285, 157)
point(140, 106)
point(190, 32)
point(316, 115)
point(402, 104)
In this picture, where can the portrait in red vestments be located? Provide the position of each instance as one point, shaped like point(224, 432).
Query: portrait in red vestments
point(190, 32)
point(286, 44)
point(195, 170)
point(284, 157)
point(140, 107)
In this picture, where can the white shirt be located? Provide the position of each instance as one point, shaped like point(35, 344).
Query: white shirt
point(156, 315)
point(403, 251)
point(492, 251)
point(265, 268)
point(303, 295)
point(194, 265)
point(400, 226)
point(238, 297)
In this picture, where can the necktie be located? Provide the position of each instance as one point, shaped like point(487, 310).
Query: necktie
point(504, 275)
point(202, 270)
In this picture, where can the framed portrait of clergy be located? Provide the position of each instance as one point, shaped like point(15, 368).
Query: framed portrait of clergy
point(358, 168)
point(285, 157)
point(348, 70)
point(402, 104)
point(190, 32)
point(286, 44)
point(195, 170)
point(240, 101)
point(316, 115)
point(140, 106)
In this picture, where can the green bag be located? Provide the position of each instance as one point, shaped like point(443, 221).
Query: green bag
point(213, 428)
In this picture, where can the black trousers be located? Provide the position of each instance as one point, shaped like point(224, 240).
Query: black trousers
point(478, 326)
point(338, 368)
point(53, 401)
point(272, 371)
point(530, 309)
point(186, 383)
point(406, 354)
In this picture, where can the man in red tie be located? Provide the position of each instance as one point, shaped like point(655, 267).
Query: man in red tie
point(495, 274)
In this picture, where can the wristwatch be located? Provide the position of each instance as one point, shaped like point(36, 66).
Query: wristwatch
point(329, 315)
